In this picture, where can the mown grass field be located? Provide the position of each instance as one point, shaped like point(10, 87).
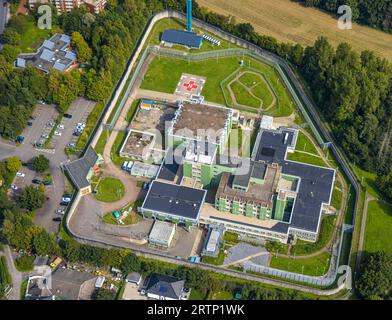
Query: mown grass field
point(316, 266)
point(306, 158)
point(164, 73)
point(110, 190)
point(289, 21)
point(378, 227)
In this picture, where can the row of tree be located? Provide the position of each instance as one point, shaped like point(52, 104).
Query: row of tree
point(373, 13)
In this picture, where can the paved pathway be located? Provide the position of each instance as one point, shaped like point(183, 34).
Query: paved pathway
point(16, 276)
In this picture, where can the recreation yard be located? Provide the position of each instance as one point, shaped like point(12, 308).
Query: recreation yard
point(267, 87)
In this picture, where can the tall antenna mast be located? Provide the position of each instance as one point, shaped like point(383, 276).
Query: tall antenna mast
point(189, 15)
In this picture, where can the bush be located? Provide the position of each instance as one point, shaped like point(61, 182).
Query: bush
point(25, 263)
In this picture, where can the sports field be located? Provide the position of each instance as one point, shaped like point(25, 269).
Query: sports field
point(164, 73)
point(289, 21)
point(378, 227)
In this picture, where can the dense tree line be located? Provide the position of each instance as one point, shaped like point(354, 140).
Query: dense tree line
point(373, 13)
point(375, 282)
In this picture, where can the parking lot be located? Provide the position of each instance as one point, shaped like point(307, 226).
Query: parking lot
point(42, 115)
point(80, 110)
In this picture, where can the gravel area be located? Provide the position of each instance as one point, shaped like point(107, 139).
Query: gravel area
point(242, 251)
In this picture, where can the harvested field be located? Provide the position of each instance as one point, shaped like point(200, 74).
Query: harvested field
point(291, 22)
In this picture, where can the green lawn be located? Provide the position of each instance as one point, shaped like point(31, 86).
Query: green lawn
point(316, 266)
point(33, 38)
point(25, 263)
point(305, 144)
point(110, 190)
point(215, 260)
point(221, 295)
point(243, 97)
point(306, 158)
point(325, 234)
point(5, 277)
point(263, 92)
point(337, 194)
point(378, 227)
point(132, 218)
point(164, 74)
point(369, 180)
point(249, 79)
point(197, 295)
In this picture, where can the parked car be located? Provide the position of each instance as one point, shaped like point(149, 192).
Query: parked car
point(63, 203)
point(60, 126)
point(66, 199)
point(58, 134)
point(38, 145)
point(20, 139)
point(71, 145)
point(59, 211)
point(14, 187)
point(32, 117)
point(51, 124)
point(30, 124)
point(56, 219)
point(67, 195)
point(36, 181)
point(47, 183)
point(67, 115)
point(45, 136)
point(20, 174)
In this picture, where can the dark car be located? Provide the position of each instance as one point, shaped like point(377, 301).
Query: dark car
point(67, 195)
point(63, 203)
point(56, 219)
point(20, 139)
point(47, 183)
point(29, 123)
point(38, 145)
point(67, 115)
point(32, 117)
point(36, 181)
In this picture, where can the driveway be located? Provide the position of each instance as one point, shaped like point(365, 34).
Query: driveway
point(16, 276)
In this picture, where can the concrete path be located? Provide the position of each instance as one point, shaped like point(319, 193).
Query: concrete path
point(246, 259)
point(16, 276)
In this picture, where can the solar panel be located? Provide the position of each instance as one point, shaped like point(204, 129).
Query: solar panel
point(189, 39)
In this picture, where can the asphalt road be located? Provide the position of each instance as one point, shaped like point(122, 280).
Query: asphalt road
point(3, 15)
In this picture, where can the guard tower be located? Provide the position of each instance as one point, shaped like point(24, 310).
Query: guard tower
point(189, 15)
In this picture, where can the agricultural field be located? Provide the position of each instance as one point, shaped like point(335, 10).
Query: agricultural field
point(291, 22)
point(378, 227)
point(163, 75)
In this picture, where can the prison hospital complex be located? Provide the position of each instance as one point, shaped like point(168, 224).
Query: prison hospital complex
point(263, 195)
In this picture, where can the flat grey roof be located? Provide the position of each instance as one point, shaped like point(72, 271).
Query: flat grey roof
point(316, 182)
point(174, 200)
point(79, 169)
point(185, 38)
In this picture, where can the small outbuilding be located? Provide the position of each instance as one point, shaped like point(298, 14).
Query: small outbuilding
point(162, 234)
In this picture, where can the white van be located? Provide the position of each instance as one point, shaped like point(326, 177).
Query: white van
point(124, 165)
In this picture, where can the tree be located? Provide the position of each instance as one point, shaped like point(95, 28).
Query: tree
point(40, 163)
point(44, 244)
point(82, 49)
point(131, 263)
point(13, 164)
point(376, 276)
point(11, 36)
point(32, 198)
